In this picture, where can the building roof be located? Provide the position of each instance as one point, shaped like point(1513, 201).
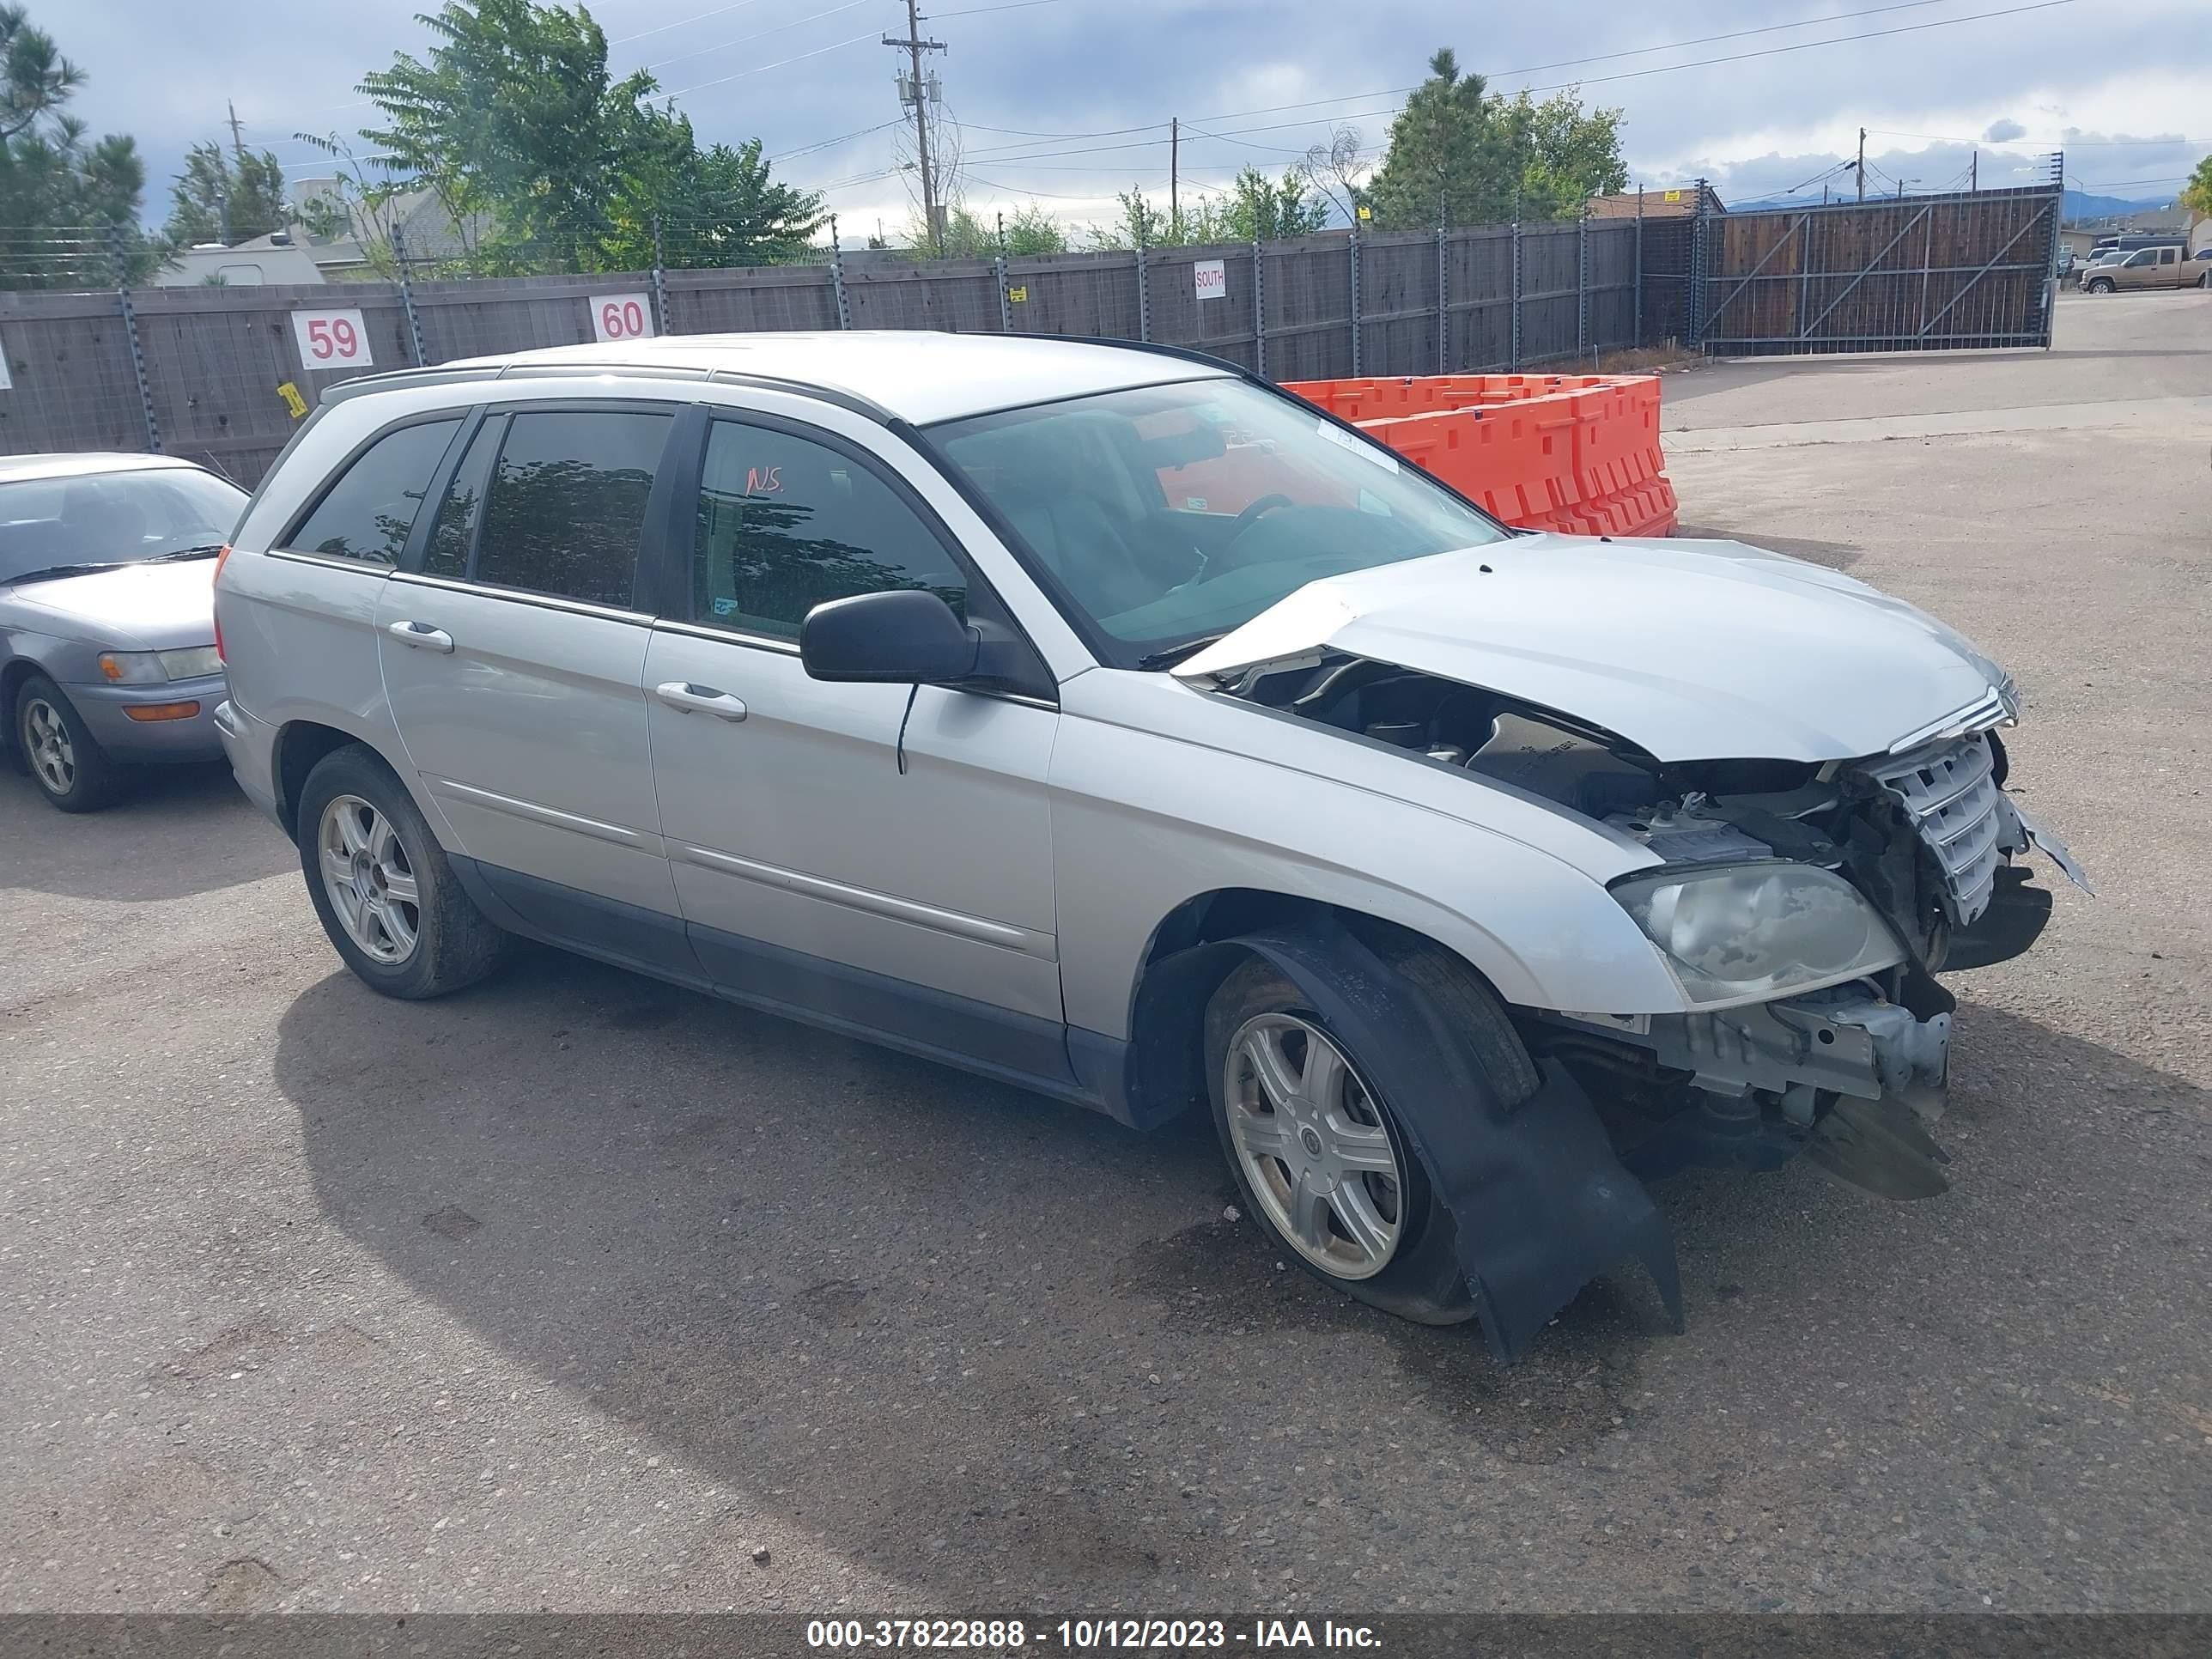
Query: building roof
point(918, 374)
point(1674, 202)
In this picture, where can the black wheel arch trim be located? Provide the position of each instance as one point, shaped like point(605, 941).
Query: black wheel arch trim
point(1542, 1203)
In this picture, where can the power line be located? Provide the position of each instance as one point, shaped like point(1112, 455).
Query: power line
point(1005, 153)
point(830, 144)
point(747, 40)
point(763, 69)
point(697, 17)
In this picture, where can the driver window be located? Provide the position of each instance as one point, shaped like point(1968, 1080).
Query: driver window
point(785, 523)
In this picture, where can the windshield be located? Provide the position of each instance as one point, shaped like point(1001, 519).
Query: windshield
point(113, 517)
point(1173, 513)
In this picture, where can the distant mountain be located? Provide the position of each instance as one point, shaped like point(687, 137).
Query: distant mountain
point(2081, 204)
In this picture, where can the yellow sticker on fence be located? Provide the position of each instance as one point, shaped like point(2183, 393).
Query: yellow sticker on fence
point(293, 400)
point(1365, 213)
point(1672, 196)
point(1019, 295)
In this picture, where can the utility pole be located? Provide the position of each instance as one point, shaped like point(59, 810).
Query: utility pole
point(913, 88)
point(1861, 164)
point(237, 139)
point(1175, 176)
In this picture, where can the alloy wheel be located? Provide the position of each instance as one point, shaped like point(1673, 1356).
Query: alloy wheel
point(1314, 1145)
point(46, 742)
point(369, 879)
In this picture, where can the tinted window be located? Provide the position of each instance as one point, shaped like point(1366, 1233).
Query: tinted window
point(453, 538)
point(568, 503)
point(113, 518)
point(370, 509)
point(785, 524)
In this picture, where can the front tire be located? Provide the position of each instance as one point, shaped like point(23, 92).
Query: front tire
point(382, 886)
point(72, 771)
point(2102, 285)
point(1320, 1156)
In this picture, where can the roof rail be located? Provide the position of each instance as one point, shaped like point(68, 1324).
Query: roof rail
point(535, 369)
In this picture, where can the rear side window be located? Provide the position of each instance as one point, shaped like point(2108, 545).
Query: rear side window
point(367, 513)
point(786, 523)
point(453, 537)
point(566, 507)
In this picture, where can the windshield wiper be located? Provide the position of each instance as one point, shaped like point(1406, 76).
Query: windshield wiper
point(206, 550)
point(1175, 653)
point(49, 572)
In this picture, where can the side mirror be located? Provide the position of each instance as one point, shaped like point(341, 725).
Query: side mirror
point(905, 636)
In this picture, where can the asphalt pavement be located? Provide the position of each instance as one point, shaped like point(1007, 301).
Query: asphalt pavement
point(579, 1291)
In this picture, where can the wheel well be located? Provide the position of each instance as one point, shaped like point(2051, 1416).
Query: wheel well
point(1167, 1015)
point(299, 746)
point(11, 677)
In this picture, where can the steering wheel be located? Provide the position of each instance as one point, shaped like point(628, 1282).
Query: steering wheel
point(1221, 563)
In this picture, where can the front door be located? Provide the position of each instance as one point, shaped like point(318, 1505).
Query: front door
point(833, 853)
point(513, 660)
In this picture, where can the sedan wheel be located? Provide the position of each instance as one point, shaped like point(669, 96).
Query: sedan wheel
point(46, 742)
point(372, 886)
point(1314, 1148)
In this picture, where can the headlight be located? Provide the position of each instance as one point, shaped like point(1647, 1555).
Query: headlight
point(191, 664)
point(1759, 930)
point(153, 668)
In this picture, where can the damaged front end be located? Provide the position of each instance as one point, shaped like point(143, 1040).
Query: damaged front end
point(1804, 907)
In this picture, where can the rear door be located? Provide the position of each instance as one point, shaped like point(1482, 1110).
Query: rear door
point(512, 659)
point(299, 617)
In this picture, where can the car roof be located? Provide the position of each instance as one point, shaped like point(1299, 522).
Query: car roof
point(16, 468)
point(916, 374)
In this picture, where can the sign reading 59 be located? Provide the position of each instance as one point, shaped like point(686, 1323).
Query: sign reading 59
point(331, 339)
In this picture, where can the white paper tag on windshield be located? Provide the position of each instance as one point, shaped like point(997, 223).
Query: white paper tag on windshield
point(1343, 439)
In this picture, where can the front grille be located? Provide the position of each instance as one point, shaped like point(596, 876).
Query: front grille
point(1949, 790)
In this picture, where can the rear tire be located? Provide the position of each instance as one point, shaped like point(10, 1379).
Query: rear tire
point(72, 771)
point(1319, 1151)
point(382, 886)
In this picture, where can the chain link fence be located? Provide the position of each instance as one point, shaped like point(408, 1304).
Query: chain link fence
point(220, 374)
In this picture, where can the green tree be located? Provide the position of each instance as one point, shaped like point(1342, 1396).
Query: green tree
point(222, 198)
point(1448, 162)
point(1263, 209)
point(68, 205)
point(2197, 192)
point(1459, 154)
point(1255, 209)
point(1566, 156)
point(546, 162)
point(1030, 229)
point(715, 207)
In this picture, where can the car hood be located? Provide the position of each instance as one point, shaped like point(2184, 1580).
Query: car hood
point(155, 607)
point(1692, 650)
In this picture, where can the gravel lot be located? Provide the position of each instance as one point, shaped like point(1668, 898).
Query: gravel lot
point(577, 1292)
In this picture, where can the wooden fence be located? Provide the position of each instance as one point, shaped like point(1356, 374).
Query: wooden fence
point(204, 372)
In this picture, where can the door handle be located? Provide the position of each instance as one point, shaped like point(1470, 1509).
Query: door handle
point(686, 699)
point(420, 636)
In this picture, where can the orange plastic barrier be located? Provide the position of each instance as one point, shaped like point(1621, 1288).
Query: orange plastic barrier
point(1577, 453)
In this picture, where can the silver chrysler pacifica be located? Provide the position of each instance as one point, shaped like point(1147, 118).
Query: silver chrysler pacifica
point(1107, 721)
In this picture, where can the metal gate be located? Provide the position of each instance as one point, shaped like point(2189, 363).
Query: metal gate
point(1922, 273)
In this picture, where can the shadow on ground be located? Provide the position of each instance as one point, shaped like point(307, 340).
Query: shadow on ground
point(971, 1337)
point(179, 830)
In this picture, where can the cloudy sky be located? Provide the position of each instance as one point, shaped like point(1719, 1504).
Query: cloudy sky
point(1065, 101)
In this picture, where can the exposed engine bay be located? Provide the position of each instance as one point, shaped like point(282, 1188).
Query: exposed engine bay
point(1850, 1073)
